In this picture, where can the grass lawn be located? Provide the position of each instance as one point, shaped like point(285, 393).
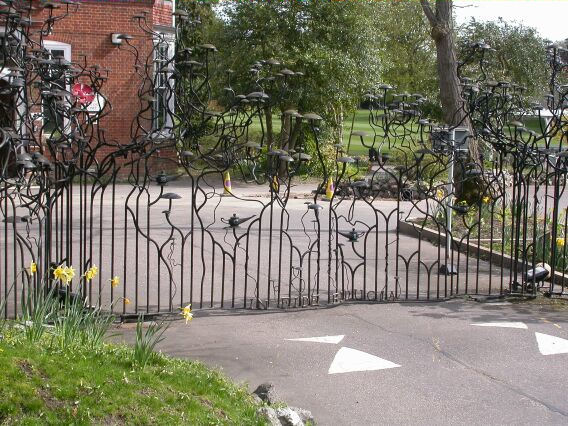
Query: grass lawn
point(42, 385)
point(361, 123)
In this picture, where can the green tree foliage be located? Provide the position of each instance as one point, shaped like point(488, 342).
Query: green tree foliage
point(333, 43)
point(520, 52)
point(206, 23)
point(409, 56)
point(345, 47)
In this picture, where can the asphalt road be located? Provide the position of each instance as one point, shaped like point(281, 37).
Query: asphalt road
point(448, 370)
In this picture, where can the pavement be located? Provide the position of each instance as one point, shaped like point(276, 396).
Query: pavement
point(400, 363)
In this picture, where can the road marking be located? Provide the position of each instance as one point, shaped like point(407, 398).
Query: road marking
point(348, 360)
point(322, 339)
point(502, 324)
point(551, 345)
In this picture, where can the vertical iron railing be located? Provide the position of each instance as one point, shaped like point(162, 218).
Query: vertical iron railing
point(157, 212)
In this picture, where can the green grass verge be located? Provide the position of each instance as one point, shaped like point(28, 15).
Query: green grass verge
point(39, 385)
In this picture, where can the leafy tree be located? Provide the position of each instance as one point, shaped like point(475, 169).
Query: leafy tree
point(442, 31)
point(440, 17)
point(409, 56)
point(332, 43)
point(520, 52)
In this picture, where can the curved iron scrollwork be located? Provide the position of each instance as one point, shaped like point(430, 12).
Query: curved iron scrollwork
point(159, 211)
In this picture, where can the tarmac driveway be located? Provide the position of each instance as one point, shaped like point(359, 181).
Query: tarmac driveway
point(457, 362)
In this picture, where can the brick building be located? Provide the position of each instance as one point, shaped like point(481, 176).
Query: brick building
point(86, 34)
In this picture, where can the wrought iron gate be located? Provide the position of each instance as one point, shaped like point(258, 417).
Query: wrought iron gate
point(389, 227)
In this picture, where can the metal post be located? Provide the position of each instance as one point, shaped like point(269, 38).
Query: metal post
point(449, 200)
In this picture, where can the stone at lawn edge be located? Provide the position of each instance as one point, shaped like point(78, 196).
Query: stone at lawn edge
point(266, 392)
point(257, 400)
point(269, 414)
point(305, 415)
point(289, 417)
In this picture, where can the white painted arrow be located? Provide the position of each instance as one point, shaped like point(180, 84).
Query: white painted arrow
point(502, 324)
point(348, 360)
point(322, 339)
point(551, 345)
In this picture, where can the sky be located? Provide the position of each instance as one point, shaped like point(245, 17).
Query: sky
point(549, 17)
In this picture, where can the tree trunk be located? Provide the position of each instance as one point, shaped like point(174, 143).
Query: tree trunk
point(447, 64)
point(295, 133)
point(289, 142)
point(285, 130)
point(269, 127)
point(450, 94)
point(339, 121)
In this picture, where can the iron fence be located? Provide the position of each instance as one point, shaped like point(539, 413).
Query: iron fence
point(420, 219)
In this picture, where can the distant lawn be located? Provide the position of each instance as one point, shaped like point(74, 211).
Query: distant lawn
point(361, 123)
point(39, 385)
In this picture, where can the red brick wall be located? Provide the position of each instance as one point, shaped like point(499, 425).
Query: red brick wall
point(163, 13)
point(88, 31)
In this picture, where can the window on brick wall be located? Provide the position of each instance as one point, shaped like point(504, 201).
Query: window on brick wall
point(163, 84)
point(53, 120)
point(7, 99)
point(12, 105)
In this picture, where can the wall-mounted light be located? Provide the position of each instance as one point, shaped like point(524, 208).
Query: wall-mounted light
point(117, 38)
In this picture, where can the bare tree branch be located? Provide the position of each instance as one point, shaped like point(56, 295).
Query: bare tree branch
point(429, 12)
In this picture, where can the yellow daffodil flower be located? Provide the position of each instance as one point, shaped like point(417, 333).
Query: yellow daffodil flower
point(91, 273)
point(69, 273)
point(186, 313)
point(439, 194)
point(33, 268)
point(126, 301)
point(560, 242)
point(115, 281)
point(59, 273)
point(486, 200)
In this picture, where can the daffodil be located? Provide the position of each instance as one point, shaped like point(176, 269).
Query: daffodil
point(126, 301)
point(33, 268)
point(486, 200)
point(560, 242)
point(59, 273)
point(69, 273)
point(91, 273)
point(115, 281)
point(439, 194)
point(186, 313)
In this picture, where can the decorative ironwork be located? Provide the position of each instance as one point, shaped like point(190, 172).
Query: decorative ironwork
point(156, 209)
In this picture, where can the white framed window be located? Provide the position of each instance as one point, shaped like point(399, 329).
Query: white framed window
point(14, 106)
point(164, 50)
point(51, 119)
